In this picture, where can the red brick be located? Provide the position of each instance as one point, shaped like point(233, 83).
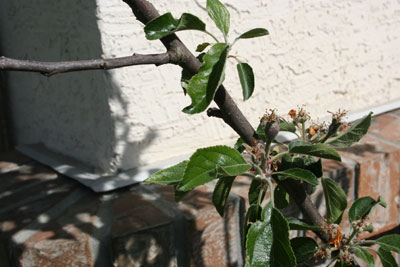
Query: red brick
point(11, 160)
point(43, 250)
point(395, 112)
point(25, 175)
point(132, 213)
point(379, 175)
point(65, 240)
point(214, 240)
point(386, 126)
point(344, 174)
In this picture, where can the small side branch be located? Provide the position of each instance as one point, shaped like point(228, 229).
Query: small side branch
point(51, 68)
point(214, 112)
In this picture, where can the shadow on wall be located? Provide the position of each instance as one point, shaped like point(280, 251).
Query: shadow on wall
point(70, 112)
point(5, 135)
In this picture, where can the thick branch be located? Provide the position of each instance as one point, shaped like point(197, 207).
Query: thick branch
point(298, 193)
point(51, 68)
point(177, 54)
point(144, 12)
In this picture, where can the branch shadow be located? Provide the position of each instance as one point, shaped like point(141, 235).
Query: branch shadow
point(41, 211)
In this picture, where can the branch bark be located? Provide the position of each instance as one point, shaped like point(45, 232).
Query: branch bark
point(144, 12)
point(51, 68)
point(177, 53)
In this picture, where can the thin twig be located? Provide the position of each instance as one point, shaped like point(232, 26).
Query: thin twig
point(51, 68)
point(214, 112)
point(177, 54)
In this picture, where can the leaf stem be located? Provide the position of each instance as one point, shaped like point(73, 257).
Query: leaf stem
point(249, 175)
point(258, 169)
point(333, 260)
point(212, 36)
point(303, 131)
point(226, 39)
point(271, 191)
point(353, 234)
point(367, 242)
point(259, 199)
point(234, 41)
point(279, 155)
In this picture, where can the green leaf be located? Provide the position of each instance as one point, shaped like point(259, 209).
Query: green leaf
point(255, 187)
point(169, 175)
point(239, 145)
point(203, 85)
point(228, 170)
point(304, 248)
point(287, 126)
point(219, 14)
point(185, 78)
point(357, 130)
point(314, 166)
point(266, 212)
point(202, 46)
point(363, 207)
point(298, 174)
point(335, 200)
point(317, 150)
point(253, 213)
point(190, 22)
point(259, 243)
point(303, 162)
point(260, 132)
point(281, 197)
point(296, 224)
point(339, 264)
point(282, 253)
point(221, 193)
point(268, 242)
point(166, 24)
point(179, 195)
point(186, 75)
point(387, 258)
point(390, 243)
point(365, 255)
point(257, 32)
point(202, 165)
point(246, 77)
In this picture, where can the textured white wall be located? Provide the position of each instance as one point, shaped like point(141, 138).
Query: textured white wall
point(324, 54)
point(69, 113)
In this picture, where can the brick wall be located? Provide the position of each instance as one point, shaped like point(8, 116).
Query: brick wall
point(50, 220)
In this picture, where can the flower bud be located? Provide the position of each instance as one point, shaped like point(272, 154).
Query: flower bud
point(271, 130)
point(369, 228)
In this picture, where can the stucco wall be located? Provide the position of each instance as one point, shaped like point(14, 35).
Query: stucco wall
point(324, 54)
point(69, 113)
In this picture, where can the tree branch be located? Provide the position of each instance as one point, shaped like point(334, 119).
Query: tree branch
point(177, 54)
point(51, 68)
point(298, 193)
point(144, 12)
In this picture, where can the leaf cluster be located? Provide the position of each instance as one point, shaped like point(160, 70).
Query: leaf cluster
point(202, 86)
point(270, 164)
